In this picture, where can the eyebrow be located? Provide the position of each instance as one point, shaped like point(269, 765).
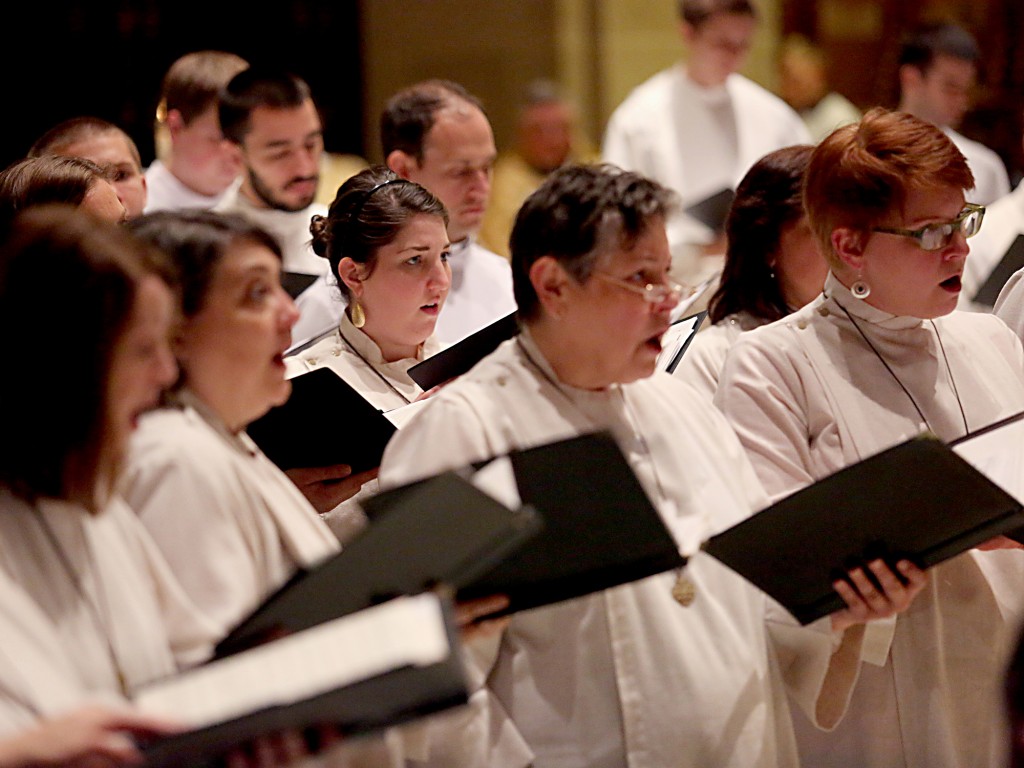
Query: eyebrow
point(423, 248)
point(288, 142)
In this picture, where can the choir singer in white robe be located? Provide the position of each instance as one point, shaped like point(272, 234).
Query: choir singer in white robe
point(230, 523)
point(879, 357)
point(386, 241)
point(680, 669)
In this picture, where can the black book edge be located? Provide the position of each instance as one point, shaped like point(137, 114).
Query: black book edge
point(985, 430)
point(524, 523)
point(436, 370)
point(941, 551)
point(674, 362)
point(712, 204)
point(1010, 262)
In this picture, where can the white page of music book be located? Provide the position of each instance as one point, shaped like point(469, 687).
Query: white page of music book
point(999, 455)
point(673, 340)
point(402, 632)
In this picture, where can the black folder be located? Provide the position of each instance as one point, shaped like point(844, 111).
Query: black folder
point(296, 282)
point(1012, 261)
point(600, 528)
point(324, 422)
point(917, 500)
point(676, 343)
point(382, 700)
point(713, 210)
point(463, 355)
point(439, 531)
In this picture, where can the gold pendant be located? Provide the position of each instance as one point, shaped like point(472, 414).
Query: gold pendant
point(684, 591)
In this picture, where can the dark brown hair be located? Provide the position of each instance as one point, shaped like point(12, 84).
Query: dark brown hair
point(368, 212)
point(54, 441)
point(65, 134)
point(697, 12)
point(768, 199)
point(47, 179)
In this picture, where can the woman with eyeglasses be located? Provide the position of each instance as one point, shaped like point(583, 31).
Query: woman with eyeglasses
point(678, 669)
point(879, 357)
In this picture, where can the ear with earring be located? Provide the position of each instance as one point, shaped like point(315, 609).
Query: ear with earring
point(356, 313)
point(860, 289)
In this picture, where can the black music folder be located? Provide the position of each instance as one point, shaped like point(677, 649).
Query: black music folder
point(917, 500)
point(677, 340)
point(600, 528)
point(440, 531)
point(325, 421)
point(1012, 261)
point(296, 282)
point(462, 355)
point(369, 670)
point(713, 210)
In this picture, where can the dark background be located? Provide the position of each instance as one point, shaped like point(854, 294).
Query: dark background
point(107, 57)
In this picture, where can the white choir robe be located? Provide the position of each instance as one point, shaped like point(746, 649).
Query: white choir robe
point(357, 359)
point(1004, 220)
point(991, 182)
point(289, 228)
point(807, 396)
point(628, 676)
point(701, 364)
point(652, 132)
point(231, 525)
point(165, 192)
point(125, 592)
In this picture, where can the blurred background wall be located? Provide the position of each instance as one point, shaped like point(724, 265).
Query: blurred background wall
point(106, 57)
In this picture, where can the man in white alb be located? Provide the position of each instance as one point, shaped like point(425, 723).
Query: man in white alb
point(197, 165)
point(271, 120)
point(697, 127)
point(938, 70)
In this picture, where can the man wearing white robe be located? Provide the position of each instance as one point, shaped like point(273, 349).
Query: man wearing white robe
point(938, 70)
point(697, 128)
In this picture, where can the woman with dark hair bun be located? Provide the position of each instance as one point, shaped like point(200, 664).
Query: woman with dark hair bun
point(772, 262)
point(386, 240)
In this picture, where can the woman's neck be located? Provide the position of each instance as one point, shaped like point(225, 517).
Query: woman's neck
point(571, 362)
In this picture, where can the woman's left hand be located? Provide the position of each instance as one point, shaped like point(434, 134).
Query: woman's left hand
point(865, 601)
point(327, 487)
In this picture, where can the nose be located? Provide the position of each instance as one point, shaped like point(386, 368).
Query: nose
point(441, 275)
point(288, 314)
point(165, 368)
point(957, 246)
point(309, 163)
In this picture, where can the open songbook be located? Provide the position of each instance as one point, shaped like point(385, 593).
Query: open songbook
point(464, 354)
point(379, 667)
point(600, 528)
point(676, 339)
point(918, 500)
point(1011, 261)
point(997, 451)
point(325, 421)
point(441, 531)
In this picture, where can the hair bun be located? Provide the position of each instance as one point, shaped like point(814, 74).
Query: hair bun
point(318, 229)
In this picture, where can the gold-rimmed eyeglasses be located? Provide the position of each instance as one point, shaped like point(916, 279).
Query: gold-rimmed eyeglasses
point(937, 236)
point(652, 293)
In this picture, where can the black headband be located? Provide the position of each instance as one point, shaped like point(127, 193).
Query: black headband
point(358, 207)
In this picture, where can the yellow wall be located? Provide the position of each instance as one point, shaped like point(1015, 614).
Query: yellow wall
point(596, 49)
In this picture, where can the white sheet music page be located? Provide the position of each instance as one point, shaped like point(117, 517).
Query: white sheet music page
point(402, 632)
point(498, 480)
point(675, 339)
point(998, 454)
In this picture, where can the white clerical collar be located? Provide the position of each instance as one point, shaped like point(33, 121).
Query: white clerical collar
point(834, 291)
point(711, 96)
point(367, 348)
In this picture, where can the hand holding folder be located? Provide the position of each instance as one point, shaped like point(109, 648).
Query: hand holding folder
point(917, 500)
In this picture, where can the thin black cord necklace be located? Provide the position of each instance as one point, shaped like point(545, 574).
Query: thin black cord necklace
point(949, 371)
